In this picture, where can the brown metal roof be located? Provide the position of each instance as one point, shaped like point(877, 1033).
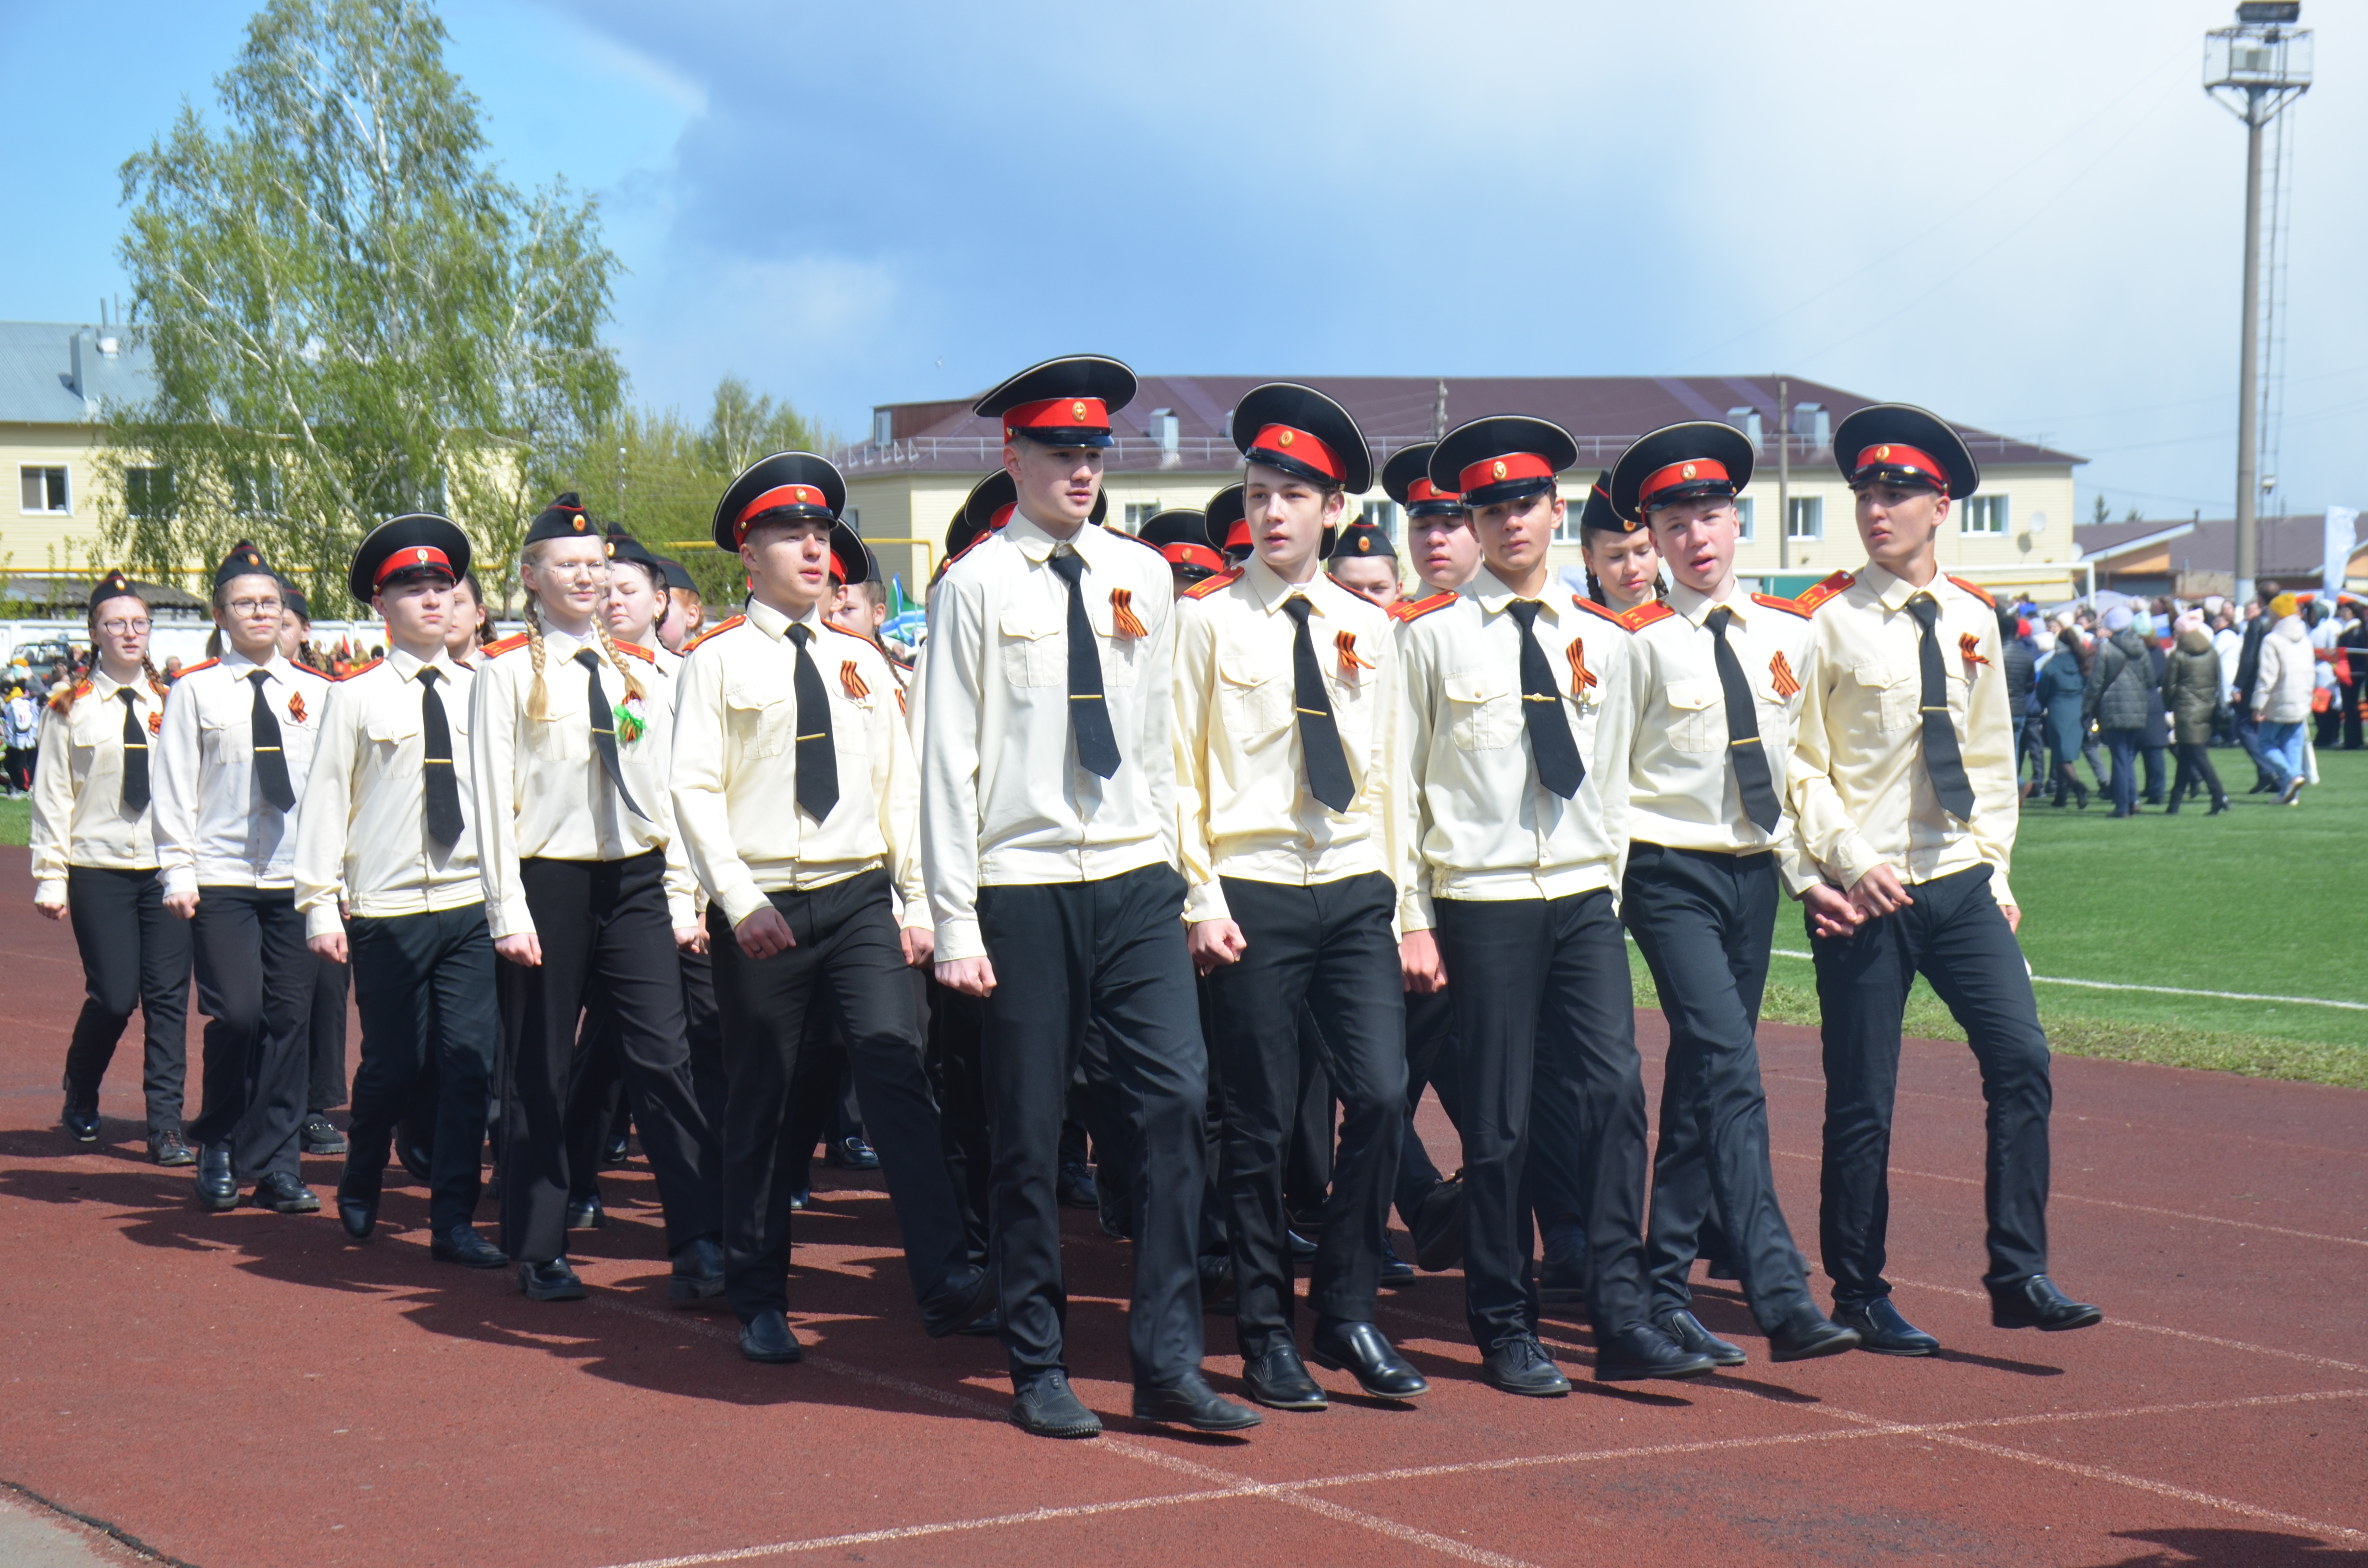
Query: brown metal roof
point(2292, 546)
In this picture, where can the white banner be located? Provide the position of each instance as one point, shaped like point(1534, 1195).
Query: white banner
point(2341, 535)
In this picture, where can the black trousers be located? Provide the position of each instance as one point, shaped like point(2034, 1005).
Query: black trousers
point(1431, 1060)
point(325, 1036)
point(1328, 949)
point(1109, 955)
point(848, 958)
point(597, 1092)
point(957, 1063)
point(1703, 923)
point(135, 953)
point(2196, 771)
point(255, 986)
point(1307, 1150)
point(1954, 936)
point(1544, 1007)
point(424, 985)
point(603, 920)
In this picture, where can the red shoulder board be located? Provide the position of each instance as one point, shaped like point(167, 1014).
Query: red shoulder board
point(202, 665)
point(716, 632)
point(1216, 585)
point(363, 669)
point(1414, 609)
point(636, 650)
point(1776, 601)
point(1644, 614)
point(1831, 588)
point(1583, 602)
point(507, 645)
point(1976, 590)
point(311, 671)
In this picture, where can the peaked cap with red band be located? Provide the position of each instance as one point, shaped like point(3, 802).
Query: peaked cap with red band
point(1680, 462)
point(1228, 527)
point(1060, 402)
point(990, 506)
point(789, 487)
point(1182, 536)
point(1896, 443)
point(1302, 433)
point(1406, 478)
point(416, 540)
point(1506, 457)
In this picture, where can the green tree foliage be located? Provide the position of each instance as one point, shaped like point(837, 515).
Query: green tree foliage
point(351, 315)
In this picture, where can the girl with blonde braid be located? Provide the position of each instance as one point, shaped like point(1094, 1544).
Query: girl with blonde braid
point(585, 882)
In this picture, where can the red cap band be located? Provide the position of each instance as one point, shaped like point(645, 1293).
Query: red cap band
point(838, 567)
point(1497, 470)
point(779, 496)
point(1238, 536)
point(1693, 471)
point(1002, 515)
point(417, 555)
point(1298, 446)
point(1895, 454)
point(1423, 490)
point(1056, 414)
point(1201, 555)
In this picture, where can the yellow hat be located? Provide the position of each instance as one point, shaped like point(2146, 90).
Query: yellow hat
point(2284, 605)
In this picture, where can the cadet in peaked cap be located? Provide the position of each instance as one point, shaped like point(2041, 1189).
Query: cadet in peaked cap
point(791, 487)
point(1503, 457)
point(1406, 478)
point(1696, 461)
point(1302, 433)
point(1060, 402)
point(415, 542)
point(1900, 444)
point(1623, 564)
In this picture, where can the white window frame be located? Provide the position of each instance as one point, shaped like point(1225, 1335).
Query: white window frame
point(1141, 512)
point(1383, 514)
point(1743, 509)
point(65, 473)
point(152, 471)
point(1994, 516)
point(1809, 509)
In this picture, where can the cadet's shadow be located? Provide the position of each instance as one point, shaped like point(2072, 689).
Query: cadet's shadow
point(1997, 1363)
point(2233, 1548)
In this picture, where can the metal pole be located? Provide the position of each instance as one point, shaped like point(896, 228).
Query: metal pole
point(1783, 476)
point(2249, 353)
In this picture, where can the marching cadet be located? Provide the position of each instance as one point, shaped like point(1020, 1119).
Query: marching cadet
point(1694, 734)
point(1049, 829)
point(1362, 560)
point(1511, 901)
point(229, 763)
point(780, 709)
point(1181, 537)
point(324, 1033)
point(585, 885)
point(386, 834)
point(1904, 785)
point(94, 857)
point(1624, 563)
point(1287, 769)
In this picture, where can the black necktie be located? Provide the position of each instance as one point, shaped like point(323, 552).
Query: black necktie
point(270, 762)
point(1943, 759)
point(1088, 714)
point(436, 762)
point(1551, 746)
point(1743, 727)
point(817, 754)
point(604, 731)
point(1319, 733)
point(135, 752)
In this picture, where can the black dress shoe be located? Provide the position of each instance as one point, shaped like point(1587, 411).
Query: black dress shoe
point(1438, 1225)
point(1046, 1408)
point(2035, 1302)
point(1190, 1401)
point(962, 1298)
point(283, 1194)
point(989, 1326)
point(1807, 1335)
point(1881, 1330)
point(617, 1151)
point(698, 1271)
point(1118, 1222)
point(586, 1213)
point(1216, 1270)
point(357, 1194)
point(1396, 1270)
point(1075, 1187)
point(319, 1135)
point(1521, 1366)
point(461, 1244)
point(217, 1185)
point(1303, 1251)
point(1360, 1350)
point(1641, 1352)
point(552, 1281)
point(851, 1153)
point(1715, 1268)
point(1280, 1378)
point(1685, 1332)
point(82, 1125)
point(168, 1149)
point(768, 1337)
point(416, 1155)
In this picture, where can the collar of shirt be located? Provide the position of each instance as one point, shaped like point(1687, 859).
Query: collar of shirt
point(104, 685)
point(776, 624)
point(1892, 593)
point(559, 647)
point(1495, 597)
point(1037, 544)
point(1273, 593)
point(1696, 607)
point(408, 665)
point(238, 663)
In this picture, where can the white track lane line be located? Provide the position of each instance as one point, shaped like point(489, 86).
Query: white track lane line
point(2157, 990)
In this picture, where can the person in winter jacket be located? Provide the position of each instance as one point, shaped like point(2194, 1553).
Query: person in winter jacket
point(2057, 695)
point(2120, 692)
point(2019, 661)
point(2190, 690)
point(2281, 691)
point(2248, 677)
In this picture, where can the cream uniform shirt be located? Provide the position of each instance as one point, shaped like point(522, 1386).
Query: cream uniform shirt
point(736, 765)
point(1241, 777)
point(78, 817)
point(1663, 747)
point(540, 790)
point(1003, 797)
point(213, 827)
point(1859, 792)
point(1480, 825)
point(363, 837)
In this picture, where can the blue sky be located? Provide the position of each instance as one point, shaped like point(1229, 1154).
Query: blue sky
point(2024, 215)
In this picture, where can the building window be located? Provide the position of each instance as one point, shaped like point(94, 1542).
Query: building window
point(1382, 515)
point(1743, 511)
point(1984, 515)
point(254, 492)
point(1805, 518)
point(854, 519)
point(884, 427)
point(148, 494)
point(1139, 512)
point(45, 489)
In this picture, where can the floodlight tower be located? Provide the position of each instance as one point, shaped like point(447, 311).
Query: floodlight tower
point(2255, 69)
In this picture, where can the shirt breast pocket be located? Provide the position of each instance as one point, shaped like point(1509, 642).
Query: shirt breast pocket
point(1483, 709)
point(760, 718)
point(388, 731)
point(1034, 653)
point(225, 738)
point(1892, 690)
point(1252, 701)
point(565, 732)
point(1698, 716)
point(850, 720)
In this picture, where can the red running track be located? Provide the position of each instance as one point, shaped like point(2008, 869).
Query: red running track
point(248, 1389)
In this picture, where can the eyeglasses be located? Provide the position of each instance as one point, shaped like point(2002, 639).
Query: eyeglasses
point(123, 628)
point(254, 606)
